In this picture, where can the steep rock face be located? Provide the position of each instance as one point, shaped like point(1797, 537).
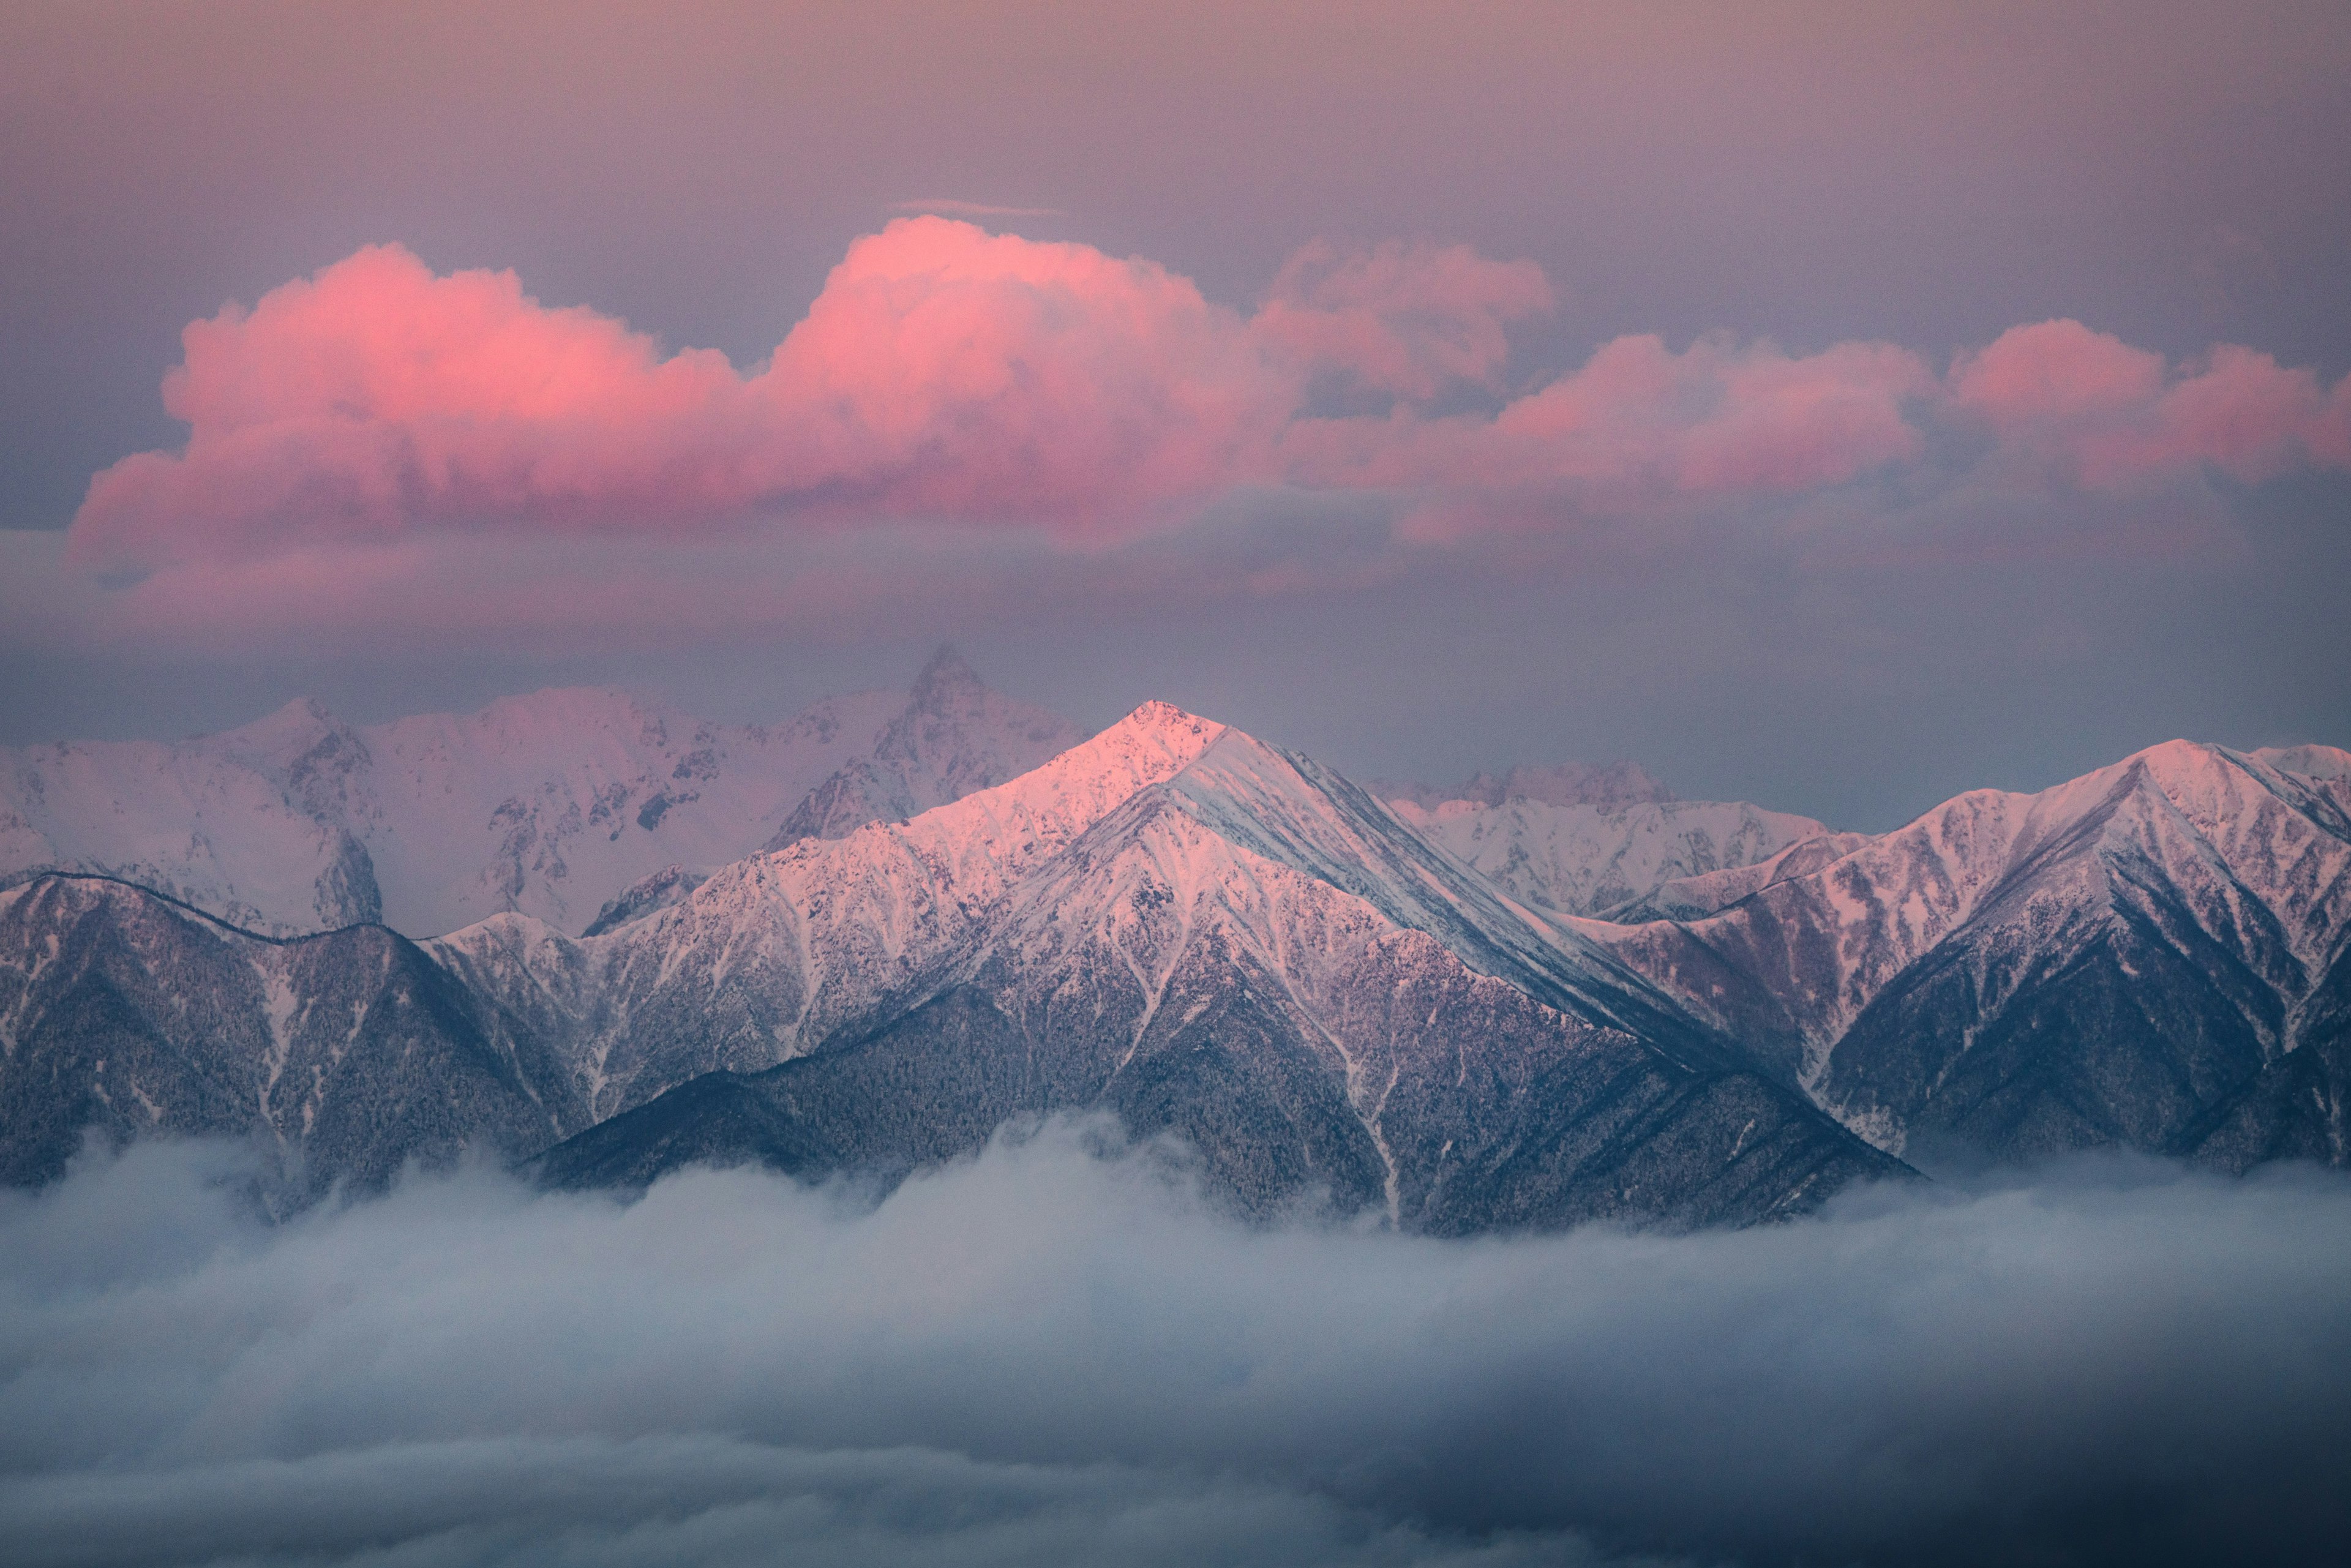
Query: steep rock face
point(671, 884)
point(347, 1054)
point(955, 738)
point(1588, 859)
point(552, 805)
point(1257, 956)
point(2137, 957)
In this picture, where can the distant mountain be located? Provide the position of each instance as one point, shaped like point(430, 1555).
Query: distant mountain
point(953, 739)
point(1171, 921)
point(1588, 859)
point(554, 804)
point(1695, 894)
point(1607, 785)
point(347, 1052)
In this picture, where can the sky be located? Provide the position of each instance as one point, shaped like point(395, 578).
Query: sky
point(1832, 405)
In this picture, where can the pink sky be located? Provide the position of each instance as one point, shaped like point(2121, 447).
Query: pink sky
point(1732, 387)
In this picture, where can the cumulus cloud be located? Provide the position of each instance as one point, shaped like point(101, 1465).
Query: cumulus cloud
point(391, 448)
point(1044, 1356)
point(1639, 426)
point(943, 370)
point(2109, 416)
point(1404, 319)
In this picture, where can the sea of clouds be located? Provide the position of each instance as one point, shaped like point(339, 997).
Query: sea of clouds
point(1055, 1354)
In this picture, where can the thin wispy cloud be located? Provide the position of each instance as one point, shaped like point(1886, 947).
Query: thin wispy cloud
point(955, 207)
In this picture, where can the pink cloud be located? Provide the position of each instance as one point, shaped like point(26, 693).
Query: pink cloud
point(946, 374)
point(1719, 417)
point(942, 371)
point(2107, 416)
point(1404, 319)
point(1637, 424)
point(376, 397)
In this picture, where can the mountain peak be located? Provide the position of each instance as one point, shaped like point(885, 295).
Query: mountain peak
point(1155, 742)
point(2309, 761)
point(301, 714)
point(276, 738)
point(947, 679)
point(1160, 717)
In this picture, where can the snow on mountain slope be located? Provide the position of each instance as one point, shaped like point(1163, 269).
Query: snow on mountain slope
point(1255, 953)
point(182, 821)
point(773, 954)
point(1585, 859)
point(344, 1055)
point(552, 804)
point(955, 738)
point(1696, 896)
point(2115, 959)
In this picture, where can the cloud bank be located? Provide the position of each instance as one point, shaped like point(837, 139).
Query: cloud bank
point(1044, 1357)
point(948, 373)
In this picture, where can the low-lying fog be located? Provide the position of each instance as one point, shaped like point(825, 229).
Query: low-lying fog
point(1054, 1354)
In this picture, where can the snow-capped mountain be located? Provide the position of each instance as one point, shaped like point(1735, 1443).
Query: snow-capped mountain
point(1254, 953)
point(1584, 859)
point(553, 804)
point(125, 1012)
point(2153, 955)
point(350, 1050)
point(192, 820)
point(773, 956)
point(1210, 937)
point(1170, 920)
point(1702, 894)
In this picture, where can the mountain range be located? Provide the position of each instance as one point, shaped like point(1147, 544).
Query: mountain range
point(1328, 996)
point(552, 804)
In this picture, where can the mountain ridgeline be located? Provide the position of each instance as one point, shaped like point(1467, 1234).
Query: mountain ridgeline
point(555, 804)
point(1324, 996)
